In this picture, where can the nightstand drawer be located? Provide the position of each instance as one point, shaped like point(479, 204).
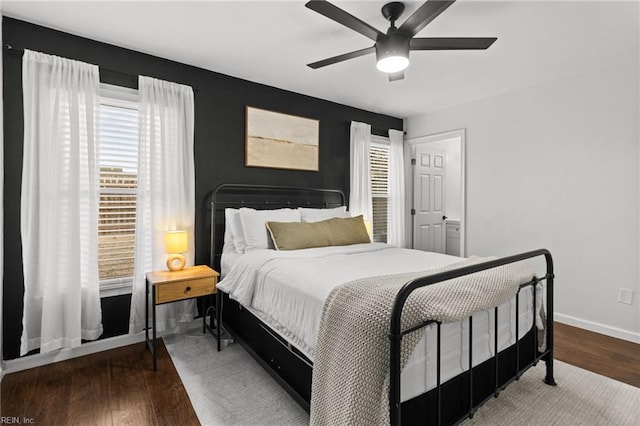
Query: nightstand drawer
point(187, 289)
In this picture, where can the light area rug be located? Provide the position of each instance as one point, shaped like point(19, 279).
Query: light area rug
point(231, 388)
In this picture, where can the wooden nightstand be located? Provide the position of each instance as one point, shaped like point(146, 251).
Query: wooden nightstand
point(172, 286)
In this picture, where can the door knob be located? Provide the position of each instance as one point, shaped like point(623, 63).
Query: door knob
point(444, 218)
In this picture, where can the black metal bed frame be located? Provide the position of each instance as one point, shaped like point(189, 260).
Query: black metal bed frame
point(396, 332)
point(271, 197)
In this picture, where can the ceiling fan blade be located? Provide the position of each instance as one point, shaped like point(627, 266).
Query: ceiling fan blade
point(426, 13)
point(451, 43)
point(340, 16)
point(342, 57)
point(395, 76)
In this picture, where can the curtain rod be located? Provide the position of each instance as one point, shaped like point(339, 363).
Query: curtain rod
point(379, 131)
point(8, 47)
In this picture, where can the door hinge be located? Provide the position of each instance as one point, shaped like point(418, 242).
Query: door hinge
point(413, 161)
point(413, 212)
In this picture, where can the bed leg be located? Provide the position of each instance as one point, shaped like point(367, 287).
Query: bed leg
point(549, 357)
point(549, 377)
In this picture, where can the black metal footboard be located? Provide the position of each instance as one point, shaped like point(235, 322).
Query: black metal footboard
point(396, 333)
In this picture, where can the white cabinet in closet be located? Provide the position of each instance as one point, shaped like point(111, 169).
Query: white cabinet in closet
point(453, 237)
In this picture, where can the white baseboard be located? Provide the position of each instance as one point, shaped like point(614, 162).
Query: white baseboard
point(38, 360)
point(598, 328)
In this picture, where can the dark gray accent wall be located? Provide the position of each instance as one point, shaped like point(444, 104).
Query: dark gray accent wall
point(220, 102)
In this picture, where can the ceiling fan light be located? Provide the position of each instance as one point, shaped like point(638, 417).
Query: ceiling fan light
point(392, 64)
point(392, 54)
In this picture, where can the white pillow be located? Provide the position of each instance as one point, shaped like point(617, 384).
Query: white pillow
point(233, 235)
point(316, 215)
point(256, 235)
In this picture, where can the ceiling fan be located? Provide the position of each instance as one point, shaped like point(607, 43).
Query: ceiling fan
point(392, 49)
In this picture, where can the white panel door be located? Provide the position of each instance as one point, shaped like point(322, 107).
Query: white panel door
point(429, 199)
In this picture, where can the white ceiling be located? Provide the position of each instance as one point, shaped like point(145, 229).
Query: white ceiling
point(270, 42)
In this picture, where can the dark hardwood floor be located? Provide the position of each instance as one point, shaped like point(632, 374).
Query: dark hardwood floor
point(115, 387)
point(118, 387)
point(608, 356)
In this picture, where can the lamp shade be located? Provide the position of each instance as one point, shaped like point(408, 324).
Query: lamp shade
point(176, 242)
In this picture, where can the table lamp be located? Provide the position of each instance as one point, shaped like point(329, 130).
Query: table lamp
point(176, 243)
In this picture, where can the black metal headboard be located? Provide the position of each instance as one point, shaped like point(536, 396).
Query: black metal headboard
point(262, 197)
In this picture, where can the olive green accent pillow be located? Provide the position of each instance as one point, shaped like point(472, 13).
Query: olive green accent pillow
point(331, 232)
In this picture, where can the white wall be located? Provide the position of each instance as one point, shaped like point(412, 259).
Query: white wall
point(556, 166)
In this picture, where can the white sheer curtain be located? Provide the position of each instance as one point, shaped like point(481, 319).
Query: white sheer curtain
point(59, 203)
point(396, 224)
point(166, 190)
point(360, 176)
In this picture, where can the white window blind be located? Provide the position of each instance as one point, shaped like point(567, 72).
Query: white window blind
point(118, 140)
point(379, 159)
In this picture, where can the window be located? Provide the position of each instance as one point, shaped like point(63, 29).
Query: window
point(379, 159)
point(118, 141)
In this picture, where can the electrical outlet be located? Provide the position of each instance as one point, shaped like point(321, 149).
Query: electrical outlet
point(625, 295)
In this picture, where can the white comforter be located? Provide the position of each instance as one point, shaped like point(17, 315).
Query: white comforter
point(289, 288)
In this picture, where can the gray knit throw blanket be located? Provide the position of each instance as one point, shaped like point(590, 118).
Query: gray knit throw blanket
point(351, 361)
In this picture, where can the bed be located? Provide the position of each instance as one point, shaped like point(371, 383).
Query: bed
point(272, 301)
